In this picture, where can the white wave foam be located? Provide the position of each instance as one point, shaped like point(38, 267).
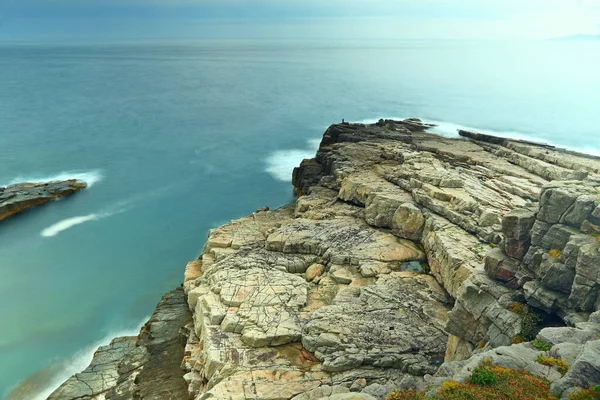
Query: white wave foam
point(68, 223)
point(450, 129)
point(368, 121)
point(65, 224)
point(90, 177)
point(281, 163)
point(34, 389)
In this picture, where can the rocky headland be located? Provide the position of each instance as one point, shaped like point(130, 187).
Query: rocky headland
point(22, 196)
point(407, 260)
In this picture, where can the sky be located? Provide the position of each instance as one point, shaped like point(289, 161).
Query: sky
point(313, 19)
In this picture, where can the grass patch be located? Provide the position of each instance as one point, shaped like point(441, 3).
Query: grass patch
point(406, 395)
point(541, 345)
point(487, 382)
point(560, 365)
point(483, 376)
point(593, 393)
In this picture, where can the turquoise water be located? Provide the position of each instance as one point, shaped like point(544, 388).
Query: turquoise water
point(179, 137)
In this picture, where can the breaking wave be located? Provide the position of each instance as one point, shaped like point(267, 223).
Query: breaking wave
point(90, 177)
point(281, 163)
point(450, 129)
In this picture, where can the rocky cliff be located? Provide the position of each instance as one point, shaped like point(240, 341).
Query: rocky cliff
point(21, 196)
point(406, 260)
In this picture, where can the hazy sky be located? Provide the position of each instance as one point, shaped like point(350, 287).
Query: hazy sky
point(456, 19)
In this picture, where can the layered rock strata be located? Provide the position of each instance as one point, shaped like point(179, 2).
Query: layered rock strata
point(324, 276)
point(21, 196)
point(404, 251)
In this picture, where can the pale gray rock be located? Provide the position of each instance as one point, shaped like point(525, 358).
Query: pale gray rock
point(102, 374)
point(566, 351)
point(584, 372)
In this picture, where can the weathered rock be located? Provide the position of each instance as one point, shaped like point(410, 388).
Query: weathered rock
point(144, 367)
point(517, 357)
point(102, 374)
point(314, 271)
point(584, 372)
point(408, 222)
point(580, 335)
point(153, 370)
point(502, 269)
point(366, 330)
point(19, 197)
point(516, 227)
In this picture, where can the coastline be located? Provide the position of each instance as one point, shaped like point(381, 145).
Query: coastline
point(470, 206)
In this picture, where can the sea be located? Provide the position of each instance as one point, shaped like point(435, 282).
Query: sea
point(177, 137)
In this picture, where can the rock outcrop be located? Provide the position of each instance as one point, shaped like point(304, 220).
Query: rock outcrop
point(325, 278)
point(144, 367)
point(403, 252)
point(21, 196)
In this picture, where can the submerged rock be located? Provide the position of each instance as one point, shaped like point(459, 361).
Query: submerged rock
point(21, 196)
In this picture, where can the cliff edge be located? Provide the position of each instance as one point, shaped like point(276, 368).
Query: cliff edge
point(406, 260)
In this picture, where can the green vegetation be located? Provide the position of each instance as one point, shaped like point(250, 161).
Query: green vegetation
point(530, 321)
point(541, 345)
point(483, 376)
point(560, 365)
point(593, 393)
point(487, 382)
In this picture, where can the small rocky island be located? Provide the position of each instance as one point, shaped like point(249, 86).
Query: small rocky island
point(22, 196)
point(408, 262)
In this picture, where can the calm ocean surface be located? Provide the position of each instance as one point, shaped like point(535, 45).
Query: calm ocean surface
point(180, 137)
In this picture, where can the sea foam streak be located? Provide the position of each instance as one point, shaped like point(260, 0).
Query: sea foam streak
point(68, 223)
point(90, 177)
point(65, 224)
point(281, 164)
point(40, 385)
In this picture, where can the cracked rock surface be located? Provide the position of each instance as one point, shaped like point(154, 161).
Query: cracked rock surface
point(318, 295)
